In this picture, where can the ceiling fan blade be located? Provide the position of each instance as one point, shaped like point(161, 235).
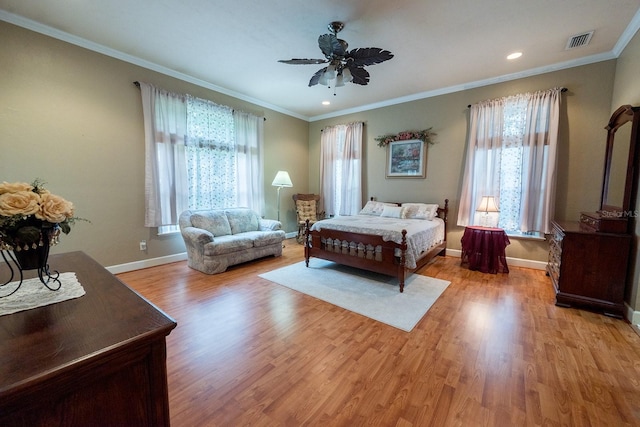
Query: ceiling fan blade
point(316, 77)
point(368, 56)
point(360, 75)
point(330, 45)
point(297, 61)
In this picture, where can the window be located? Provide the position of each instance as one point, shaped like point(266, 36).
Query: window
point(512, 156)
point(210, 155)
point(341, 169)
point(199, 155)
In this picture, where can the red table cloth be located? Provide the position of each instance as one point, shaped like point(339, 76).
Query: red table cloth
point(483, 248)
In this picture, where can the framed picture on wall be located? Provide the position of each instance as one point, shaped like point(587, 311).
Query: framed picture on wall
point(406, 159)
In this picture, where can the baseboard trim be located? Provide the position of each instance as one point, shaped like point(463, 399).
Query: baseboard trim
point(146, 263)
point(632, 315)
point(514, 262)
point(153, 262)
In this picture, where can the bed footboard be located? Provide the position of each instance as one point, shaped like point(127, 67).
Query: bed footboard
point(369, 252)
point(363, 251)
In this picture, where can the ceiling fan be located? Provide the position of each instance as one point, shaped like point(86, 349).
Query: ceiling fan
point(344, 66)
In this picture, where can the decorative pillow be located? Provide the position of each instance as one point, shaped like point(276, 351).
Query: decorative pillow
point(375, 208)
point(433, 210)
point(215, 222)
point(242, 220)
point(392, 211)
point(306, 210)
point(420, 210)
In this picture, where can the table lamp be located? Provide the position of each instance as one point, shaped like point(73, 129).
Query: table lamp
point(487, 204)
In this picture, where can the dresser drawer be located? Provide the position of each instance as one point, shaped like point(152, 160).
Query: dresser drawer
point(588, 268)
point(595, 221)
point(555, 255)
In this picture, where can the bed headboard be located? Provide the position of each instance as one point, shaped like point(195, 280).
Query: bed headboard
point(443, 212)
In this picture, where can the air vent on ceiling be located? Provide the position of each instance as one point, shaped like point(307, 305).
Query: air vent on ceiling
point(579, 40)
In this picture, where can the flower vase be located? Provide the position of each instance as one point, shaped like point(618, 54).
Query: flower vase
point(32, 259)
point(35, 258)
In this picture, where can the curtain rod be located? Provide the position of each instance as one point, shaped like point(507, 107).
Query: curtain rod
point(137, 84)
point(363, 124)
point(562, 89)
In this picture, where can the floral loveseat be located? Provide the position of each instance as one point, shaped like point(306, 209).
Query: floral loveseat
point(218, 238)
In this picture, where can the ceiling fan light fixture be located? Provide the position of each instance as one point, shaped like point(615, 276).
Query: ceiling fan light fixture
point(344, 66)
point(324, 79)
point(330, 73)
point(346, 75)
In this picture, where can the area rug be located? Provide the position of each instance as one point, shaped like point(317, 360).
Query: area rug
point(33, 293)
point(370, 294)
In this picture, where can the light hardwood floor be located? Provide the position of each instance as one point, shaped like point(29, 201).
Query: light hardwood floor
point(493, 350)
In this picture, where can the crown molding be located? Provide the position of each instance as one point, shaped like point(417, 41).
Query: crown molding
point(617, 50)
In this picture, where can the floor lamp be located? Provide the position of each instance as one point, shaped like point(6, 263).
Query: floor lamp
point(281, 180)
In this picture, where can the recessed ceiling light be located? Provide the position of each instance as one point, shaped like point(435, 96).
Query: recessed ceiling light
point(515, 55)
point(326, 103)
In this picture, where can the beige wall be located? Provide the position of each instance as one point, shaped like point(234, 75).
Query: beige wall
point(74, 118)
point(585, 112)
point(627, 91)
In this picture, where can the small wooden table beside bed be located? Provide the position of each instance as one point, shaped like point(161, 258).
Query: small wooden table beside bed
point(395, 239)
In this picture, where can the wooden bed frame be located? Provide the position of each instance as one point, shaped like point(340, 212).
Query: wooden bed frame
point(351, 249)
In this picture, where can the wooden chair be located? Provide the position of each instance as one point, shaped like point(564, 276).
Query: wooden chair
point(307, 207)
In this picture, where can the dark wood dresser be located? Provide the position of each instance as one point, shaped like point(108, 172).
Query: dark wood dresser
point(98, 360)
point(588, 268)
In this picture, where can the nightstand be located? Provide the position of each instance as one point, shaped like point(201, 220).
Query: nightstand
point(483, 248)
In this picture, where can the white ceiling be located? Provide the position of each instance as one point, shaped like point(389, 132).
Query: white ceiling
point(439, 46)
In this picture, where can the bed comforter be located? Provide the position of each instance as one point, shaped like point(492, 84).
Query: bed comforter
point(421, 234)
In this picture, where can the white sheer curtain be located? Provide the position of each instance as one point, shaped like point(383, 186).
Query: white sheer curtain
point(341, 169)
point(165, 123)
point(249, 130)
point(539, 158)
point(511, 155)
point(198, 155)
point(328, 159)
point(211, 157)
point(351, 194)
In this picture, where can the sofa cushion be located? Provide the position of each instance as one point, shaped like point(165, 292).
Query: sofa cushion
point(263, 238)
point(215, 222)
point(226, 244)
point(242, 219)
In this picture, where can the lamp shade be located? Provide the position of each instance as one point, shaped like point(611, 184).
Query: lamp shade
point(282, 180)
point(487, 204)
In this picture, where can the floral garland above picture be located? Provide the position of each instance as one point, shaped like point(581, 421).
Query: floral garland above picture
point(422, 135)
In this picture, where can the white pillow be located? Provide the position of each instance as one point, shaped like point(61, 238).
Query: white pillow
point(420, 210)
point(374, 208)
point(392, 211)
